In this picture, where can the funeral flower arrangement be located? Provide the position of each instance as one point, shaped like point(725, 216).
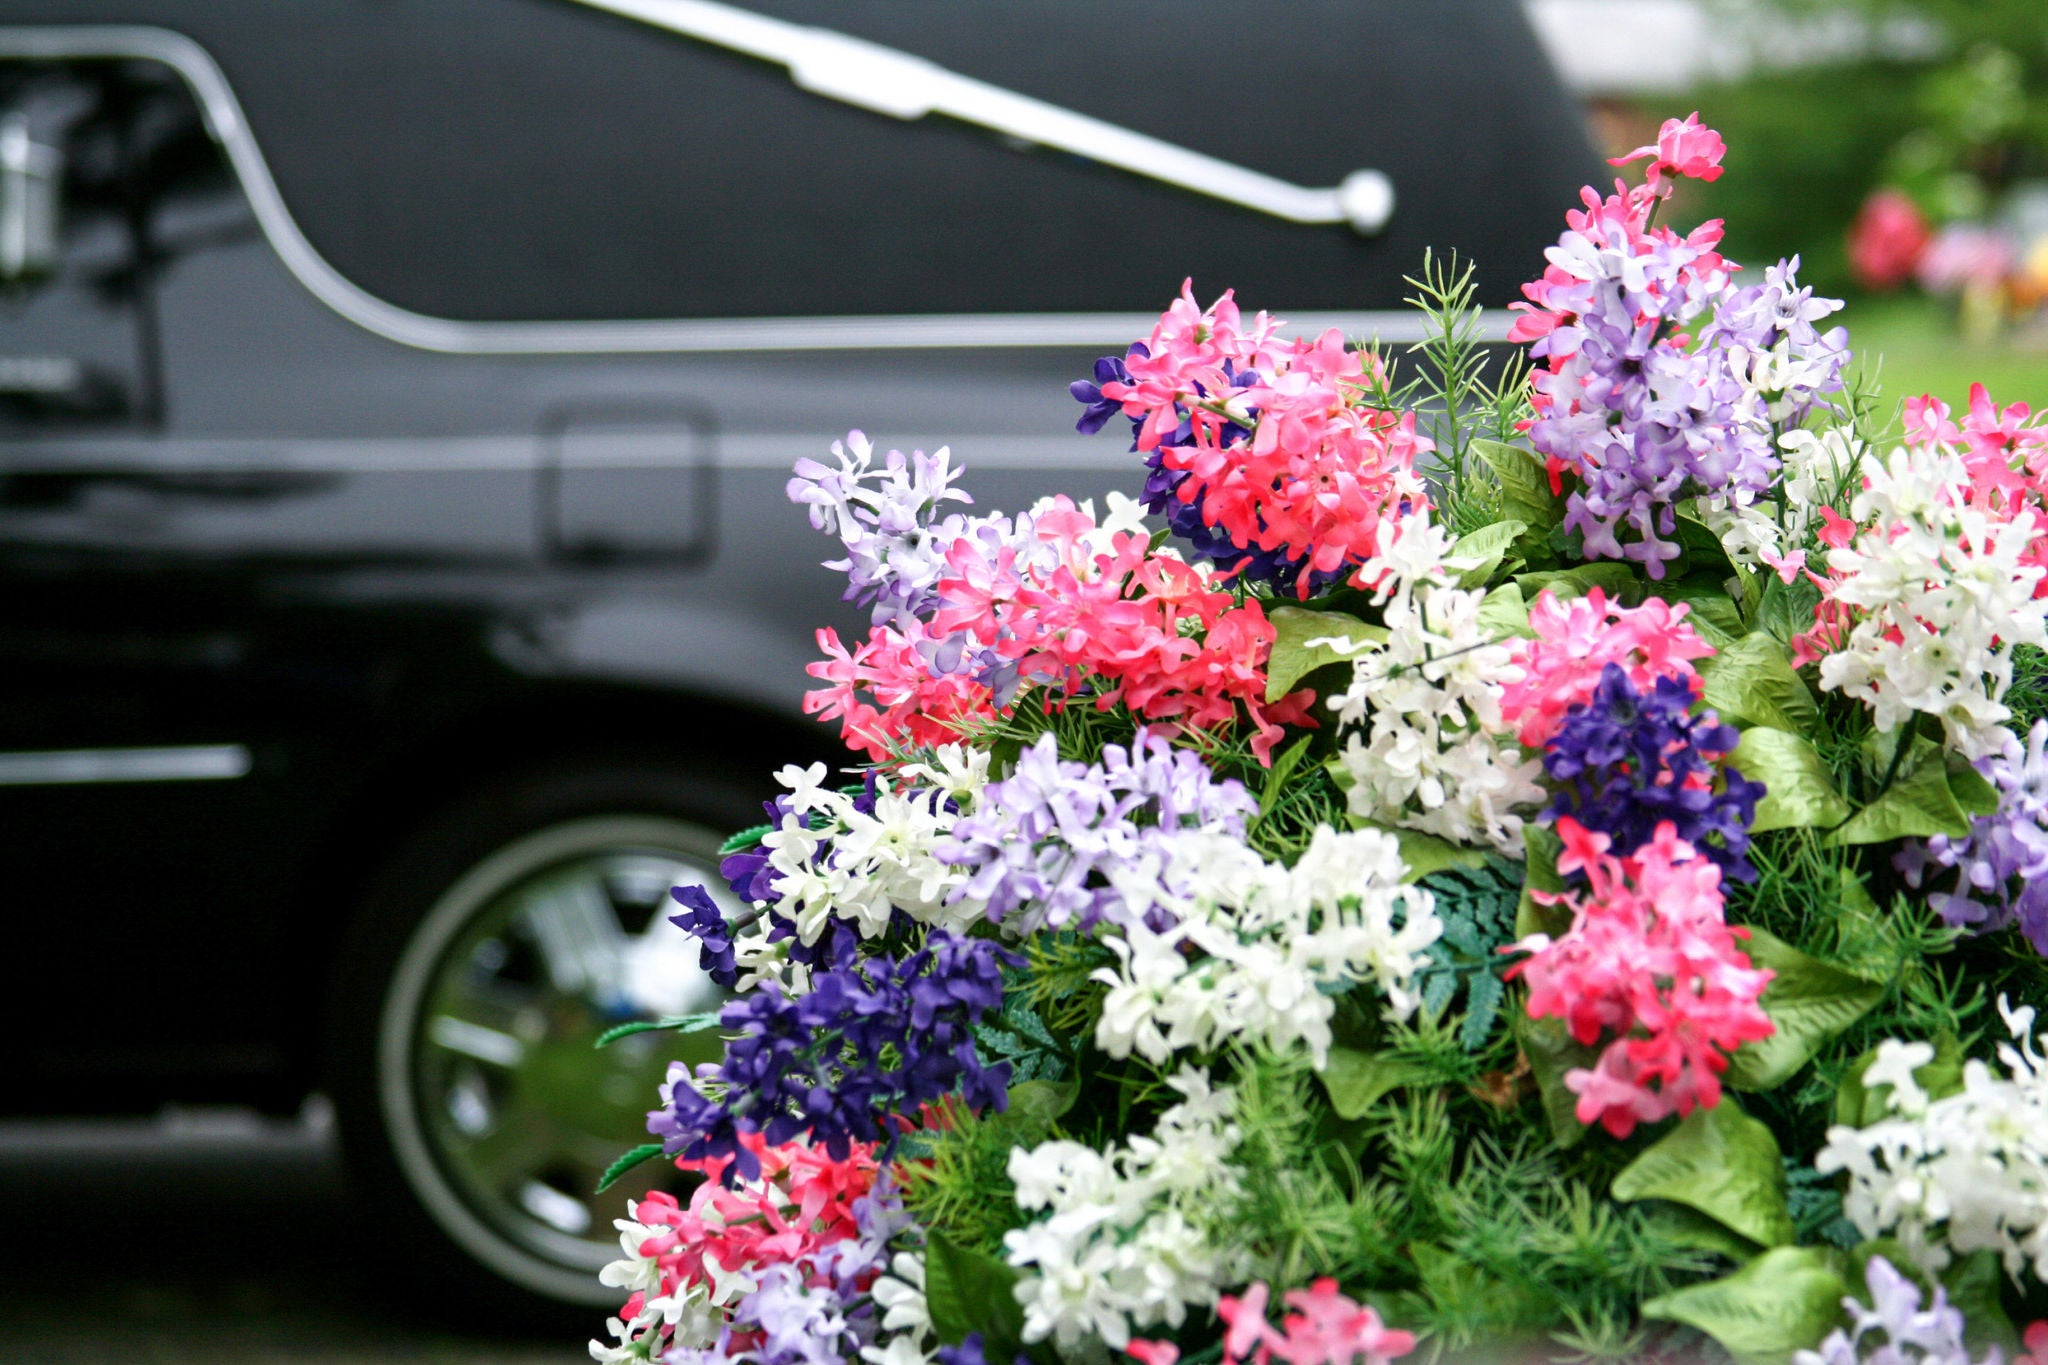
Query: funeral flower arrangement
point(1556, 860)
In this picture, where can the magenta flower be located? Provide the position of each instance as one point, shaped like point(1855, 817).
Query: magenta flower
point(1683, 147)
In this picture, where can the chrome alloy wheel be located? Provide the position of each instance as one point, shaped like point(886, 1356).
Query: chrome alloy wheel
point(502, 1113)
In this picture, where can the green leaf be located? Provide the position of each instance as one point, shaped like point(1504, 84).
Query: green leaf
point(1035, 1107)
point(1293, 658)
point(1283, 769)
point(1785, 1300)
point(1972, 791)
point(1714, 613)
point(1611, 578)
point(679, 1023)
point(1918, 803)
point(1552, 1051)
point(1540, 849)
point(1525, 492)
point(1425, 853)
point(1355, 1080)
point(1503, 613)
point(1859, 1106)
point(968, 1292)
point(1810, 1002)
point(1690, 1228)
point(1476, 556)
point(1799, 791)
point(646, 1151)
point(1482, 1007)
point(1751, 681)
point(1720, 1162)
point(1974, 1285)
point(744, 840)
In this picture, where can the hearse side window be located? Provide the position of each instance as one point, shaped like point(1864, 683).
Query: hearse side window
point(107, 176)
point(72, 333)
point(557, 163)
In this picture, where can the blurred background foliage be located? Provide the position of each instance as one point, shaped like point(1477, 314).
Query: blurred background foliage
point(1916, 129)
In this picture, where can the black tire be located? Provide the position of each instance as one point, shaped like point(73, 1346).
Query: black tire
point(429, 1198)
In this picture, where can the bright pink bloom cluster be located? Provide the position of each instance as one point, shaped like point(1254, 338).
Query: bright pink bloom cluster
point(1325, 1328)
point(1651, 965)
point(1282, 450)
point(1684, 147)
point(1576, 639)
point(885, 694)
point(799, 1214)
point(1150, 631)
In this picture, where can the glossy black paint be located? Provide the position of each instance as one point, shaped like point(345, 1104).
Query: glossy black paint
point(393, 575)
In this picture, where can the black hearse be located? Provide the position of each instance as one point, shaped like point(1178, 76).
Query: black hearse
point(397, 593)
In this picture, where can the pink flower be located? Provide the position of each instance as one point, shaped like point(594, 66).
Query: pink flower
point(1649, 965)
point(1575, 640)
point(1963, 256)
point(1320, 466)
point(2037, 1345)
point(1325, 1328)
point(885, 694)
point(1683, 147)
point(1153, 1352)
point(1887, 240)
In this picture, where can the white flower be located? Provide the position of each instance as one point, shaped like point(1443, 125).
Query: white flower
point(1941, 598)
point(1431, 755)
point(1814, 466)
point(1121, 1246)
point(900, 1296)
point(830, 859)
point(1965, 1173)
point(1257, 943)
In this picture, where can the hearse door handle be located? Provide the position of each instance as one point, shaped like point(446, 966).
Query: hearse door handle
point(902, 85)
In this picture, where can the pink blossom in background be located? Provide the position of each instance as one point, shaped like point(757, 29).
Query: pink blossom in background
point(1962, 256)
point(1887, 240)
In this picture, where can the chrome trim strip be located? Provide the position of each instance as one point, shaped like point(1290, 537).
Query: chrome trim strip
point(324, 282)
point(902, 85)
point(78, 767)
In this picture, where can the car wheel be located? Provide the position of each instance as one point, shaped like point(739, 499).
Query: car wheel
point(477, 1113)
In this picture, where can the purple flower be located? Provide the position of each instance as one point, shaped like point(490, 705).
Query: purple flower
point(1643, 421)
point(2001, 865)
point(703, 920)
point(1905, 1333)
point(873, 1038)
point(1048, 842)
point(1625, 762)
point(972, 1351)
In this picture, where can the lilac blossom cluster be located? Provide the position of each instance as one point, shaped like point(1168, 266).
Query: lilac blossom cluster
point(1640, 419)
point(1766, 335)
point(2001, 865)
point(892, 519)
point(875, 1036)
point(1894, 1329)
point(817, 1311)
point(1050, 844)
point(1626, 761)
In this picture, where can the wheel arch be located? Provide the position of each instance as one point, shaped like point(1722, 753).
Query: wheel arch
point(564, 725)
